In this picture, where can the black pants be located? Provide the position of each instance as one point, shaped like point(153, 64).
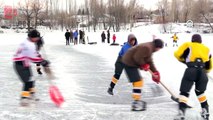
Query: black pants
point(25, 75)
point(75, 41)
point(133, 74)
point(194, 75)
point(71, 40)
point(67, 41)
point(108, 40)
point(119, 66)
point(103, 40)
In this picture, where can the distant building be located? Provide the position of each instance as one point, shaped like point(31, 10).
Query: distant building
point(8, 12)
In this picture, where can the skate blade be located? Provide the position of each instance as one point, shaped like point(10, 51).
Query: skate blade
point(135, 110)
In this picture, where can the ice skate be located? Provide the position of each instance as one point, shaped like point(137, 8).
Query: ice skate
point(180, 116)
point(110, 91)
point(139, 105)
point(205, 113)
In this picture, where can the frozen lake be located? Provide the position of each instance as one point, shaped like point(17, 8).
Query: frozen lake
point(83, 74)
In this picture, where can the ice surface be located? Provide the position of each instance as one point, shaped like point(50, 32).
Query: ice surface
point(83, 74)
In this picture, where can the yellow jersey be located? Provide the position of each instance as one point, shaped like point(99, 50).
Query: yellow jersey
point(190, 51)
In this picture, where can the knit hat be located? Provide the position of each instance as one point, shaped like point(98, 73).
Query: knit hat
point(33, 34)
point(158, 43)
point(196, 38)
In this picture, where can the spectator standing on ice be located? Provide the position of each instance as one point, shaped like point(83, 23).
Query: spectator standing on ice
point(75, 34)
point(67, 36)
point(108, 36)
point(103, 37)
point(71, 36)
point(114, 38)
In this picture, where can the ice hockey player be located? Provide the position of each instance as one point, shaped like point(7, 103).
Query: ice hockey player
point(175, 38)
point(197, 58)
point(25, 55)
point(140, 57)
point(119, 66)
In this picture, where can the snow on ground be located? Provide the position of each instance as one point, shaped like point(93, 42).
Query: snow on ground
point(83, 73)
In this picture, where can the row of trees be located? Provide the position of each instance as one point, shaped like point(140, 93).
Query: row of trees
point(109, 14)
point(200, 11)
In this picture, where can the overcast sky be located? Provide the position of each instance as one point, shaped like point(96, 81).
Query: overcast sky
point(146, 3)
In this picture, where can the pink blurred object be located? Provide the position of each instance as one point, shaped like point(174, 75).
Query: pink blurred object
point(56, 95)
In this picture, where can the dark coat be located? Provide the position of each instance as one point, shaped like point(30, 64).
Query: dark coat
point(67, 35)
point(139, 55)
point(103, 36)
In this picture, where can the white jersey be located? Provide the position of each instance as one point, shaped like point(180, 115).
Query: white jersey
point(27, 53)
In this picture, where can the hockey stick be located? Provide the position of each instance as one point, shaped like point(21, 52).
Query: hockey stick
point(47, 70)
point(54, 92)
point(173, 96)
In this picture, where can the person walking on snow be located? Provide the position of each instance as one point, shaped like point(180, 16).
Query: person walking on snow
point(175, 38)
point(25, 55)
point(140, 56)
point(198, 60)
point(103, 37)
point(119, 66)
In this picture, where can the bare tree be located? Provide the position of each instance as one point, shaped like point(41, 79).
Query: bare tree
point(102, 13)
point(131, 12)
point(205, 10)
point(175, 7)
point(187, 9)
point(117, 10)
point(38, 8)
point(163, 6)
point(86, 3)
point(27, 12)
point(94, 8)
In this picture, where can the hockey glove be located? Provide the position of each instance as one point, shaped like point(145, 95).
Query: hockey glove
point(145, 67)
point(156, 77)
point(45, 63)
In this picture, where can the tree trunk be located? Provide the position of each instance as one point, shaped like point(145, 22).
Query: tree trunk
point(207, 20)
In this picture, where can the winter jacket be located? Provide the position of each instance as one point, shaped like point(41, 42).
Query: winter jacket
point(127, 45)
point(75, 34)
point(190, 51)
point(114, 37)
point(139, 55)
point(67, 35)
point(103, 36)
point(71, 34)
point(27, 53)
